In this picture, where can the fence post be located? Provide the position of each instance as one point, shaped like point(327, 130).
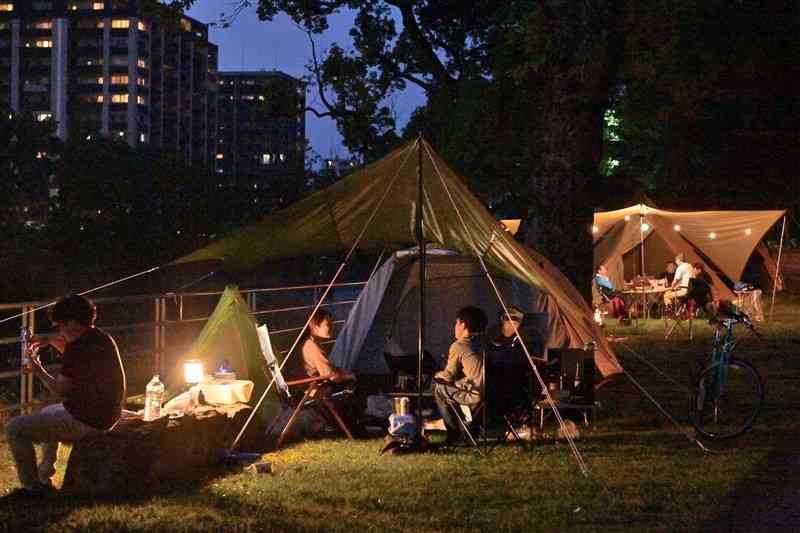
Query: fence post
point(251, 301)
point(25, 380)
point(159, 334)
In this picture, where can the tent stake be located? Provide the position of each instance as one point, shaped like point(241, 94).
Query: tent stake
point(777, 270)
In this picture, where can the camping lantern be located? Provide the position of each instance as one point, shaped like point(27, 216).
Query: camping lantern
point(193, 371)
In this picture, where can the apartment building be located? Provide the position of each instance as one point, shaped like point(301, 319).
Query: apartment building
point(261, 133)
point(111, 67)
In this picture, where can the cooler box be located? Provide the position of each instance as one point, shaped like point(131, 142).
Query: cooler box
point(227, 392)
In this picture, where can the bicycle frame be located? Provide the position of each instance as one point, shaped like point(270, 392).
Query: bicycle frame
point(724, 343)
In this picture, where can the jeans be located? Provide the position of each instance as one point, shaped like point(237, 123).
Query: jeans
point(443, 394)
point(49, 426)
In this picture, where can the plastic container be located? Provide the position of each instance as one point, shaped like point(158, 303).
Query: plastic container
point(153, 398)
point(227, 392)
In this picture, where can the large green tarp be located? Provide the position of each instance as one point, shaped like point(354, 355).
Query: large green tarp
point(377, 207)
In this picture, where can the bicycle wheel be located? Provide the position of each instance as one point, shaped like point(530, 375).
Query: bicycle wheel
point(727, 399)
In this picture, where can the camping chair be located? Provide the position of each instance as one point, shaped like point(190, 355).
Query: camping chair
point(466, 414)
point(605, 297)
point(509, 393)
point(679, 315)
point(317, 392)
point(576, 379)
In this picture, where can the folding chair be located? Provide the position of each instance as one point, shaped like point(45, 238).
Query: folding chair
point(675, 315)
point(466, 414)
point(318, 391)
point(577, 375)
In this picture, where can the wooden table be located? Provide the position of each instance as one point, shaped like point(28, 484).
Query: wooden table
point(649, 295)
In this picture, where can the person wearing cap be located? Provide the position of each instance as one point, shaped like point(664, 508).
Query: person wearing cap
point(502, 336)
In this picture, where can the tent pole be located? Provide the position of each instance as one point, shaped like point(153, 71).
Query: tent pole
point(422, 265)
point(777, 270)
point(641, 249)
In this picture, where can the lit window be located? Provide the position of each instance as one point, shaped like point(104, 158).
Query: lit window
point(41, 155)
point(141, 63)
point(100, 80)
point(43, 25)
point(119, 98)
point(120, 23)
point(44, 44)
point(41, 117)
point(142, 137)
point(186, 25)
point(6, 7)
point(141, 81)
point(141, 25)
point(98, 6)
point(100, 24)
point(282, 157)
point(265, 159)
point(119, 80)
point(261, 97)
point(73, 7)
point(141, 100)
point(99, 99)
point(220, 156)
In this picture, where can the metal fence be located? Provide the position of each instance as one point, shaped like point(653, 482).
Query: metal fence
point(154, 331)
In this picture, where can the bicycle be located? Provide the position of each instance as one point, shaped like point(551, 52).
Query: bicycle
point(729, 391)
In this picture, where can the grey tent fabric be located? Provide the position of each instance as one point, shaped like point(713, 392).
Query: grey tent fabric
point(385, 317)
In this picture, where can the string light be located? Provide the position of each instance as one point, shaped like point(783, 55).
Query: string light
point(645, 226)
point(627, 217)
point(595, 229)
point(712, 235)
point(677, 227)
point(748, 231)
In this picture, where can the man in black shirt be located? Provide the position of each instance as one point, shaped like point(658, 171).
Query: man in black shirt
point(91, 384)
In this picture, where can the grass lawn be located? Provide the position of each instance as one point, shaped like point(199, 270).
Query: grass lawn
point(645, 474)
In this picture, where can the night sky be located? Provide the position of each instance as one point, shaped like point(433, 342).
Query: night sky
point(251, 44)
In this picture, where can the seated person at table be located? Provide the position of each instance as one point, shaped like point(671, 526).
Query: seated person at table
point(702, 292)
point(680, 284)
point(462, 379)
point(669, 273)
point(616, 306)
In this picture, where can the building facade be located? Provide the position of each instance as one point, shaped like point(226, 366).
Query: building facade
point(113, 68)
point(261, 133)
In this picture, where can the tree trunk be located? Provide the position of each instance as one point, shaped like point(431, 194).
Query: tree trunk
point(569, 96)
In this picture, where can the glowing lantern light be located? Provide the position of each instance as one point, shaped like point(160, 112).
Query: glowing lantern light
point(677, 227)
point(595, 229)
point(748, 231)
point(627, 217)
point(193, 371)
point(645, 226)
point(712, 235)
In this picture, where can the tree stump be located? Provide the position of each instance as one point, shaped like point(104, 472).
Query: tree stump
point(137, 454)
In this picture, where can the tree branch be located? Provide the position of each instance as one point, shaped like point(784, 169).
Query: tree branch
point(424, 47)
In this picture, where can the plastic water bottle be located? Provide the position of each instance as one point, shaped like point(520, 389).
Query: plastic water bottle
point(153, 398)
